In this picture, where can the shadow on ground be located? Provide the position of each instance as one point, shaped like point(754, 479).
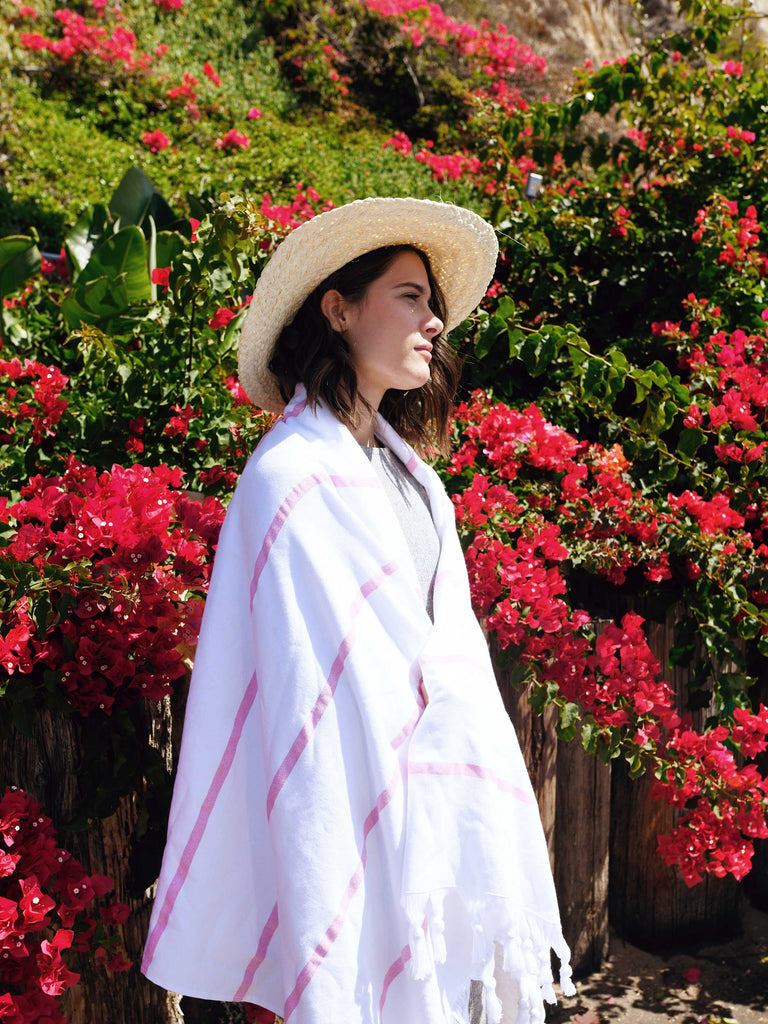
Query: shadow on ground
point(704, 984)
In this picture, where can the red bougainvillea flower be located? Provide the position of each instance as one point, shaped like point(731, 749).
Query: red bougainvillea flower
point(34, 397)
point(400, 143)
point(237, 391)
point(221, 318)
point(169, 5)
point(46, 899)
point(143, 547)
point(156, 140)
point(209, 72)
point(160, 275)
point(258, 1015)
point(233, 140)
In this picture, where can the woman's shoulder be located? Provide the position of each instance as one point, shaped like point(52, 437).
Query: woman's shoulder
point(282, 457)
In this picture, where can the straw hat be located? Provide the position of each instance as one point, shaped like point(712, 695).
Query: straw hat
point(462, 250)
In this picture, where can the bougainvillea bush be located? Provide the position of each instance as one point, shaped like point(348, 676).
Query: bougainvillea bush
point(610, 439)
point(47, 906)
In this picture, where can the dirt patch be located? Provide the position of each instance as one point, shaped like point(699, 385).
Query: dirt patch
point(704, 984)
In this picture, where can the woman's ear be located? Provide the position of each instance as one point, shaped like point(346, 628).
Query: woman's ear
point(333, 307)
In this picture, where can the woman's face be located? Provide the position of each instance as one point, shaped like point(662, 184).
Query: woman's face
point(390, 329)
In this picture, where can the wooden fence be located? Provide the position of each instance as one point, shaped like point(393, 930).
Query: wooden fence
point(601, 832)
point(601, 828)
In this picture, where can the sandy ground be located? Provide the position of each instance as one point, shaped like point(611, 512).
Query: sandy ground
point(705, 984)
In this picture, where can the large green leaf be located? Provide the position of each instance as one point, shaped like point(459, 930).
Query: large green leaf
point(86, 236)
point(136, 199)
point(168, 245)
point(95, 302)
point(123, 254)
point(115, 278)
point(19, 260)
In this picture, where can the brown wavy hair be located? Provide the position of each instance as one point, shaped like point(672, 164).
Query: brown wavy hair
point(310, 352)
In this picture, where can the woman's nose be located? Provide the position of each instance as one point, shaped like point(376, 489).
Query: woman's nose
point(433, 325)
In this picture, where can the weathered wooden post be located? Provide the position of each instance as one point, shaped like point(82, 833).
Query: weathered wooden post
point(573, 790)
point(649, 903)
point(45, 763)
point(582, 845)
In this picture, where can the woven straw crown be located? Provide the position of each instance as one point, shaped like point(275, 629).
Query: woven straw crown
point(461, 247)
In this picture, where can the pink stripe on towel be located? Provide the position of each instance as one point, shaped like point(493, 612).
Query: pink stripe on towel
point(291, 412)
point(408, 728)
point(395, 969)
point(474, 771)
point(204, 814)
point(323, 947)
point(329, 688)
point(301, 490)
point(261, 951)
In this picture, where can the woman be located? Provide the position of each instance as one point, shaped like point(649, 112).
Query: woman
point(353, 835)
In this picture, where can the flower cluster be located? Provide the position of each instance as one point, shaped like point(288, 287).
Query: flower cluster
point(449, 166)
point(233, 139)
point(715, 839)
point(117, 560)
point(534, 503)
point(46, 907)
point(305, 204)
point(31, 403)
point(80, 37)
point(493, 51)
point(737, 237)
point(155, 141)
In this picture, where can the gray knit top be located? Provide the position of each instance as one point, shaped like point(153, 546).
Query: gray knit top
point(411, 504)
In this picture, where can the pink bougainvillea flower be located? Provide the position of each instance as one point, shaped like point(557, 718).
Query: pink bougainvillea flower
point(237, 390)
point(254, 114)
point(221, 318)
point(400, 143)
point(169, 5)
point(54, 976)
point(34, 41)
point(160, 275)
point(155, 141)
point(209, 72)
point(194, 224)
point(233, 140)
point(27, 12)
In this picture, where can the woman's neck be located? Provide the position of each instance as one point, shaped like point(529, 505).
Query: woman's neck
point(363, 432)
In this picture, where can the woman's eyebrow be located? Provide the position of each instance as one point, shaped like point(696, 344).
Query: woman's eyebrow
point(412, 284)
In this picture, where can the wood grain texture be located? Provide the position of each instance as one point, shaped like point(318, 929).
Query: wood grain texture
point(582, 844)
point(46, 765)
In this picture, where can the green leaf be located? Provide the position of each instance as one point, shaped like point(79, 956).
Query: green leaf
point(691, 439)
point(516, 337)
point(592, 377)
point(589, 736)
point(748, 628)
point(505, 308)
point(115, 277)
point(123, 255)
point(168, 245)
point(488, 335)
point(568, 720)
point(87, 234)
point(136, 199)
point(19, 260)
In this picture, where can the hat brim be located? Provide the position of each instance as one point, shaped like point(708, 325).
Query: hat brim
point(462, 249)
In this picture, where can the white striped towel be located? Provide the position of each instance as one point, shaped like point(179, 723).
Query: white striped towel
point(338, 852)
